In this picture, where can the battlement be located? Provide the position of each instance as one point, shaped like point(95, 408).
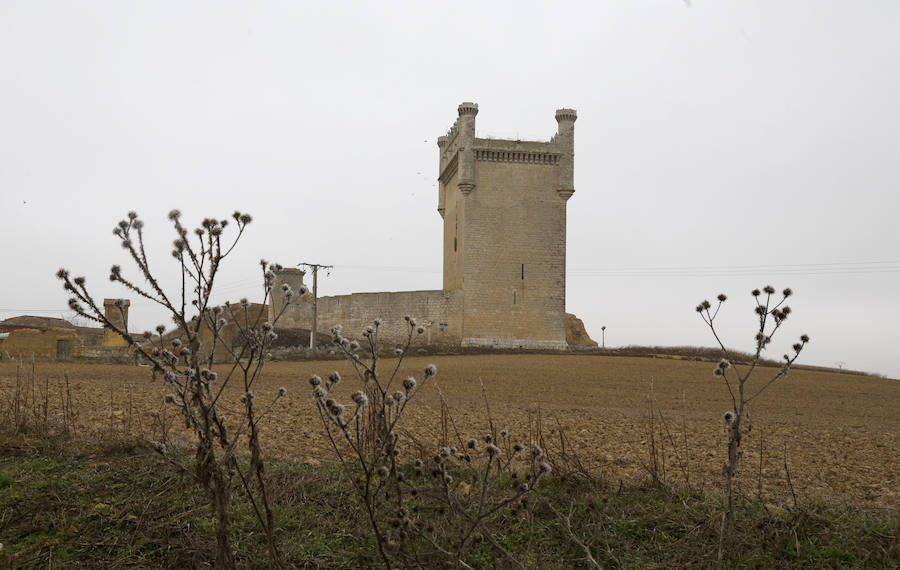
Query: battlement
point(566, 115)
point(525, 152)
point(555, 152)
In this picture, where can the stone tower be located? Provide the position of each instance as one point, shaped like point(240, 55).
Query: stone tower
point(503, 203)
point(116, 311)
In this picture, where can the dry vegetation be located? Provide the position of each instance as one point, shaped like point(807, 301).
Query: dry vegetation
point(841, 432)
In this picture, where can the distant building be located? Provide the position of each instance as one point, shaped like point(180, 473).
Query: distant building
point(32, 322)
point(45, 338)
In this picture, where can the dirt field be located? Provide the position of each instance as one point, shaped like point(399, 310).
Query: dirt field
point(840, 433)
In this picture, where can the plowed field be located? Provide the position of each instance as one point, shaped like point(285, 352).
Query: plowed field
point(839, 433)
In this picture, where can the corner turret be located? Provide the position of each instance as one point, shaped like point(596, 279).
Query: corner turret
point(467, 112)
point(565, 139)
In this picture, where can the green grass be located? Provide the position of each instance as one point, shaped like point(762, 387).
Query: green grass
point(123, 506)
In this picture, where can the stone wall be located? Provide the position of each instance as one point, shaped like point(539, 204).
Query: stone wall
point(440, 312)
point(43, 344)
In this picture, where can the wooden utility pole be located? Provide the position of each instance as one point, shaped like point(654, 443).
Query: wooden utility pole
point(315, 324)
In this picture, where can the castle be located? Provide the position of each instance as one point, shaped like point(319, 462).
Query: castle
point(503, 204)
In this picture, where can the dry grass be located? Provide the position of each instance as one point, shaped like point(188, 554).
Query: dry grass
point(842, 432)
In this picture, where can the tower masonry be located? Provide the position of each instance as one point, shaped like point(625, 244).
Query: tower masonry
point(503, 203)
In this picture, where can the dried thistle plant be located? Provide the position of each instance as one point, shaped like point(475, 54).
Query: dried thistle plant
point(444, 501)
point(771, 312)
point(186, 360)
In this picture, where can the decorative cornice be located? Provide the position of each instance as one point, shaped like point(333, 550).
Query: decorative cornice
point(487, 155)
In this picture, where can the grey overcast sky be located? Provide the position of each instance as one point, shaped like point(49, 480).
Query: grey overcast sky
point(720, 146)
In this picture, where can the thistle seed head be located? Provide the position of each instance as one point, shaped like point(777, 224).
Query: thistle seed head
point(431, 370)
point(359, 398)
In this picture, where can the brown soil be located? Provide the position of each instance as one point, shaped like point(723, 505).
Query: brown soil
point(839, 432)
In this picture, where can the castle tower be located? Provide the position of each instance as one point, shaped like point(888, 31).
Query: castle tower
point(503, 203)
point(116, 312)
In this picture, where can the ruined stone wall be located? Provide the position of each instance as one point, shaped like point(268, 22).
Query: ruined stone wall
point(440, 312)
point(44, 344)
point(297, 314)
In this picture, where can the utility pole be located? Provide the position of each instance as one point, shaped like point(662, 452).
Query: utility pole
point(315, 324)
point(603, 336)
